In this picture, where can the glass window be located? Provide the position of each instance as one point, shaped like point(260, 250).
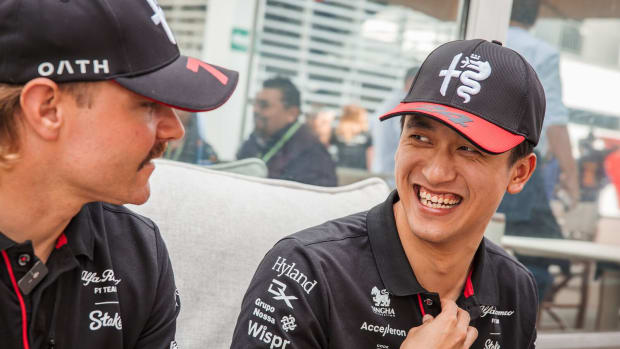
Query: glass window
point(575, 48)
point(319, 73)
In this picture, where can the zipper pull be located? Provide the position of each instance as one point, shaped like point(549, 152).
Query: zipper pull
point(51, 344)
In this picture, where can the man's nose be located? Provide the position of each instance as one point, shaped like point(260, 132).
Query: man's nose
point(439, 168)
point(170, 126)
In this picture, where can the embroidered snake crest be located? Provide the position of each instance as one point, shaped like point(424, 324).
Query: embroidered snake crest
point(470, 78)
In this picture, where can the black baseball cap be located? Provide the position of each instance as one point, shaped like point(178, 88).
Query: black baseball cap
point(488, 93)
point(127, 41)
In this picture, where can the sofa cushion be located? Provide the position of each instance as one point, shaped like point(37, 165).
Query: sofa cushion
point(218, 226)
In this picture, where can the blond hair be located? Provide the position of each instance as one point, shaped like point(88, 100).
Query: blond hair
point(9, 116)
point(9, 135)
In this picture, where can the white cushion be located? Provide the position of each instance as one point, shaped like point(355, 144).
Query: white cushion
point(218, 226)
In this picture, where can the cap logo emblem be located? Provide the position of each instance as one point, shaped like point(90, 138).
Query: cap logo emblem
point(79, 66)
point(159, 18)
point(194, 65)
point(477, 71)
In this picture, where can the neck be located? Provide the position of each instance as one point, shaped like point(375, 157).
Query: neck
point(438, 267)
point(33, 206)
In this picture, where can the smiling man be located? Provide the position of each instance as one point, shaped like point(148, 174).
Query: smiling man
point(416, 271)
point(86, 96)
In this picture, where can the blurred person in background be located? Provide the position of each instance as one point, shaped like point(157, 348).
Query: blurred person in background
point(582, 221)
point(351, 138)
point(529, 213)
point(320, 123)
point(385, 137)
point(191, 148)
point(287, 146)
point(557, 163)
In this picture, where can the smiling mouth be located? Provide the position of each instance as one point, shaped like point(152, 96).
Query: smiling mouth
point(432, 199)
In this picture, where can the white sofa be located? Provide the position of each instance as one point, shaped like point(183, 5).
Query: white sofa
point(218, 226)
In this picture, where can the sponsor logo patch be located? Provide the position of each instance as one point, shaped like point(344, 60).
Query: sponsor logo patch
point(491, 344)
point(492, 310)
point(288, 270)
point(381, 302)
point(476, 71)
point(100, 319)
point(261, 333)
point(277, 288)
point(383, 330)
point(288, 323)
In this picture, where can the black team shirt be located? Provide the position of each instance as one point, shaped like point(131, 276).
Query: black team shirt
point(348, 284)
point(109, 284)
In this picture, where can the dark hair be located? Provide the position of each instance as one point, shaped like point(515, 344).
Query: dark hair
point(522, 150)
point(290, 93)
point(525, 11)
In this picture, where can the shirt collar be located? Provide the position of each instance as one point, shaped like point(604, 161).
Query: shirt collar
point(5, 242)
point(394, 267)
point(80, 233)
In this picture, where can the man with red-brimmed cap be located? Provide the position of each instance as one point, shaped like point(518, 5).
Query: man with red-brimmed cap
point(416, 271)
point(87, 91)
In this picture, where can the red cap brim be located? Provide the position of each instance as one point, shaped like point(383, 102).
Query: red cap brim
point(479, 131)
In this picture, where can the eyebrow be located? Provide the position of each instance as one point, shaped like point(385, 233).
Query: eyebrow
point(418, 121)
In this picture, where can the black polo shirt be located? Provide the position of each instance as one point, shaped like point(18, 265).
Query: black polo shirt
point(348, 284)
point(109, 284)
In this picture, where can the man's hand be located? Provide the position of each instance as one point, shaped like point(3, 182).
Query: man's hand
point(449, 330)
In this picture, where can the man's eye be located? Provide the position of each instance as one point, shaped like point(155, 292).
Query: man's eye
point(149, 105)
point(420, 138)
point(469, 149)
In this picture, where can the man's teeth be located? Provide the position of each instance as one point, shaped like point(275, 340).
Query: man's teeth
point(438, 201)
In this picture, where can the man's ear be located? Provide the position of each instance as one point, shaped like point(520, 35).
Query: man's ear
point(520, 173)
point(39, 101)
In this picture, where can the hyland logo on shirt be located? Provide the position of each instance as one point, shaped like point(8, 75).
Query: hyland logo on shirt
point(294, 274)
point(278, 292)
point(381, 300)
point(478, 71)
point(492, 310)
point(100, 319)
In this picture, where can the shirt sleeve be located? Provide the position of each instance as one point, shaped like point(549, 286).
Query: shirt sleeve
point(532, 344)
point(533, 291)
point(160, 328)
point(286, 304)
